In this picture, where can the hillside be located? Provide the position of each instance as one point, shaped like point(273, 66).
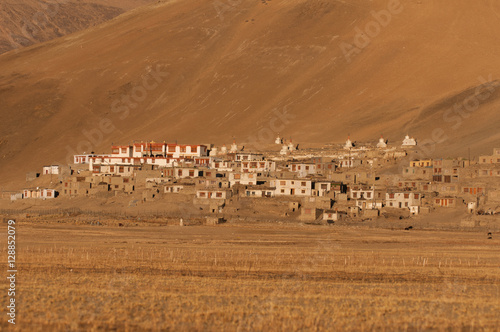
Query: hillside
point(193, 71)
point(26, 22)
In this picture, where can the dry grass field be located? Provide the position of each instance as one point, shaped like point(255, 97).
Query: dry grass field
point(258, 277)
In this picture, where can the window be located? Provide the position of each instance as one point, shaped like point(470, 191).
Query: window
point(191, 173)
point(179, 172)
point(183, 149)
point(354, 195)
point(282, 191)
point(282, 183)
point(391, 196)
point(219, 194)
point(112, 169)
point(369, 195)
point(406, 204)
point(416, 196)
point(324, 186)
point(121, 169)
point(202, 194)
point(437, 201)
point(303, 184)
point(303, 191)
point(407, 195)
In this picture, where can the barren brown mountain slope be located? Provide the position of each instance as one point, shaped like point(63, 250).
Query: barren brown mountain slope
point(27, 22)
point(222, 70)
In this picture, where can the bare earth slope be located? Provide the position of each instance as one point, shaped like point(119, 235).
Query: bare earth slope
point(27, 22)
point(195, 72)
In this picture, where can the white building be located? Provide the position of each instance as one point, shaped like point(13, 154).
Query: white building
point(303, 169)
point(248, 156)
point(39, 193)
point(402, 200)
point(242, 178)
point(52, 169)
point(258, 166)
point(292, 187)
point(349, 163)
point(213, 194)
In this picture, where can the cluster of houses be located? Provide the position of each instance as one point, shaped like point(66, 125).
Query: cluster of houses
point(323, 184)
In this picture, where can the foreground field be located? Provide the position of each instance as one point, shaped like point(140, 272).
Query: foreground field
point(239, 278)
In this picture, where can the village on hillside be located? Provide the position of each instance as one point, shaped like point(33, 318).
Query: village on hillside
point(324, 185)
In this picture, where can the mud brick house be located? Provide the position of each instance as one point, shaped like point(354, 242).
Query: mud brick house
point(242, 178)
point(449, 202)
point(493, 159)
point(52, 169)
point(258, 166)
point(213, 194)
point(303, 169)
point(446, 170)
point(402, 200)
point(292, 187)
point(259, 191)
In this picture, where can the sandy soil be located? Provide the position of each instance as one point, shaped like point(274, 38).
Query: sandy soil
point(240, 278)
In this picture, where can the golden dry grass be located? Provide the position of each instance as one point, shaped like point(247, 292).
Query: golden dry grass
point(240, 278)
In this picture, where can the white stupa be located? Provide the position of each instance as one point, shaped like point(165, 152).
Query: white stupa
point(234, 147)
point(409, 141)
point(213, 152)
point(278, 140)
point(290, 145)
point(348, 144)
point(223, 150)
point(381, 143)
point(284, 149)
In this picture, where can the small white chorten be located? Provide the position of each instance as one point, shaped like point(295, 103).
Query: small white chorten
point(381, 143)
point(284, 149)
point(278, 140)
point(234, 147)
point(223, 150)
point(348, 144)
point(409, 141)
